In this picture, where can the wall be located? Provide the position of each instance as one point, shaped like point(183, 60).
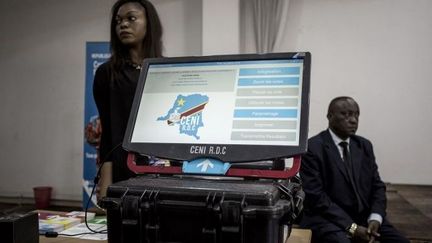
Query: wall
point(220, 33)
point(182, 26)
point(42, 61)
point(42, 96)
point(378, 52)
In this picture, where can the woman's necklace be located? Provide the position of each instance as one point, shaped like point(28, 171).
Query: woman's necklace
point(135, 65)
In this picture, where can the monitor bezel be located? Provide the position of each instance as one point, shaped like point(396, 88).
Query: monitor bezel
point(234, 153)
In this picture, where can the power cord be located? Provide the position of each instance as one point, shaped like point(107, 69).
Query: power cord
point(95, 183)
point(52, 234)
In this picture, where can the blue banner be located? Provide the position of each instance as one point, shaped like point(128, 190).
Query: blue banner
point(96, 54)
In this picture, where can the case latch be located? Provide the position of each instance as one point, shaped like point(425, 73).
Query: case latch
point(149, 215)
point(129, 212)
point(209, 232)
point(232, 220)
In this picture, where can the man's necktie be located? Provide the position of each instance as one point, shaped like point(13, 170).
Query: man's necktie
point(346, 155)
point(348, 164)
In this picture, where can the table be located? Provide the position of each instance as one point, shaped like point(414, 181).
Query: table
point(300, 236)
point(297, 236)
point(60, 239)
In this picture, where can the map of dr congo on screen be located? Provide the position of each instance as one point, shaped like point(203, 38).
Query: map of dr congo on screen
point(186, 113)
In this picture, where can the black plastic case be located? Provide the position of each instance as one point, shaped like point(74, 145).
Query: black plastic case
point(184, 209)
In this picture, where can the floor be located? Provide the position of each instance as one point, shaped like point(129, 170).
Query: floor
point(409, 209)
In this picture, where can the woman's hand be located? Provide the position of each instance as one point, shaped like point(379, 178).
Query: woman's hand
point(104, 181)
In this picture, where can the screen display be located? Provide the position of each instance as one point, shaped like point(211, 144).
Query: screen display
point(235, 108)
point(232, 102)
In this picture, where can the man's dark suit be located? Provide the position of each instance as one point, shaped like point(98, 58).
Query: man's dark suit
point(331, 204)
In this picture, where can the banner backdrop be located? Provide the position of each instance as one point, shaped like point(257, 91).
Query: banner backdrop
point(96, 54)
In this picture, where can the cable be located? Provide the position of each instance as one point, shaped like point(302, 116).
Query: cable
point(87, 206)
point(97, 177)
point(95, 183)
point(53, 234)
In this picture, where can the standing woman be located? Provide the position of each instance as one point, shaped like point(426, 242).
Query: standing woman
point(136, 34)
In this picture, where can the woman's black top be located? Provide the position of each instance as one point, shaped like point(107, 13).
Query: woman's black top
point(114, 99)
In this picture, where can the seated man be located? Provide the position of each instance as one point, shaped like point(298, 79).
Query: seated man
point(345, 196)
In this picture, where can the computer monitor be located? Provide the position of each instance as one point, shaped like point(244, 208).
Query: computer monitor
point(234, 108)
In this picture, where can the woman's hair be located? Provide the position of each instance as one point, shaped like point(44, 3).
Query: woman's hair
point(152, 43)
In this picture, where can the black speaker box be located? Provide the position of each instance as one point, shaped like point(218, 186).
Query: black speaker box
point(19, 228)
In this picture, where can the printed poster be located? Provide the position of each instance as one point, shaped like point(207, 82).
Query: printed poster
point(96, 54)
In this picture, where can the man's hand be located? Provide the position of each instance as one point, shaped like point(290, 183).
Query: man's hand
point(361, 234)
point(373, 230)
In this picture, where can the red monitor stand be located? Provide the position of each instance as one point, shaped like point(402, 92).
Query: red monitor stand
point(234, 172)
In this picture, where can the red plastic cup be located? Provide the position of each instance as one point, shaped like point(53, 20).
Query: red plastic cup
point(42, 196)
